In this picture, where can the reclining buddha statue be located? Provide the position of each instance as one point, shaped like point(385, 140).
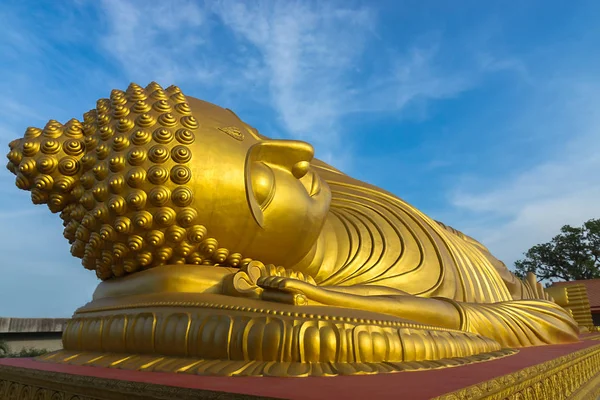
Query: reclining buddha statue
point(221, 251)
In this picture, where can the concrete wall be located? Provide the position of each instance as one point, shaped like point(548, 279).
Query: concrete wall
point(37, 333)
point(17, 341)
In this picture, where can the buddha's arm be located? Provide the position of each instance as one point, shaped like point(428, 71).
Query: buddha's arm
point(512, 324)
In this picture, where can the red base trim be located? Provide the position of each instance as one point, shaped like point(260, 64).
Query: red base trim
point(413, 385)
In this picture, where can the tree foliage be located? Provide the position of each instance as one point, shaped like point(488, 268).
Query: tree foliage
point(573, 254)
point(24, 352)
point(3, 348)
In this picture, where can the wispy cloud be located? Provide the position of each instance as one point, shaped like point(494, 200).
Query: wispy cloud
point(532, 204)
point(158, 41)
point(309, 51)
point(301, 59)
point(415, 75)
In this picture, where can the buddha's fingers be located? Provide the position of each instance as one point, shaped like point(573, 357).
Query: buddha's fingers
point(284, 290)
point(271, 282)
point(295, 286)
point(284, 284)
point(279, 296)
point(267, 282)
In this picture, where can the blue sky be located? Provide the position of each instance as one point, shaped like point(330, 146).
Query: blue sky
point(485, 115)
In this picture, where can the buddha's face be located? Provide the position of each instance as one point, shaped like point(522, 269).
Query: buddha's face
point(260, 198)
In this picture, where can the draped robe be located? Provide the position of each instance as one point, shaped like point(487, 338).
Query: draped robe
point(374, 238)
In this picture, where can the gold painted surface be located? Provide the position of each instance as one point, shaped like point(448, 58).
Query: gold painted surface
point(575, 376)
point(215, 334)
point(574, 298)
point(162, 193)
point(29, 384)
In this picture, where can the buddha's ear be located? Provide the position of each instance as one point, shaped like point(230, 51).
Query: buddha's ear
point(291, 155)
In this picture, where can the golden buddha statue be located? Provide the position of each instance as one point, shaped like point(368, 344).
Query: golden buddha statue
point(223, 252)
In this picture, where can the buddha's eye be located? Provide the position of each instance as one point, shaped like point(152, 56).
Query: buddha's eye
point(263, 184)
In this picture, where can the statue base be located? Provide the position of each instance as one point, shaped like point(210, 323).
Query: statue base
point(546, 372)
point(212, 334)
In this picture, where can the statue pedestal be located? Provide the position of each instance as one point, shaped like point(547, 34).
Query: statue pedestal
point(212, 334)
point(545, 372)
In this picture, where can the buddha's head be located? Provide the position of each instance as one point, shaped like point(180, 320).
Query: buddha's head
point(151, 177)
point(257, 196)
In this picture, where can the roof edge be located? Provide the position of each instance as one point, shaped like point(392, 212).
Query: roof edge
point(32, 325)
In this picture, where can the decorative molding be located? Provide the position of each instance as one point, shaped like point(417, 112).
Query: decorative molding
point(30, 384)
point(227, 335)
point(575, 299)
point(264, 311)
point(573, 376)
point(214, 367)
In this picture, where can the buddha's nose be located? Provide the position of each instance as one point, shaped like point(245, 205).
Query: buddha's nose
point(293, 155)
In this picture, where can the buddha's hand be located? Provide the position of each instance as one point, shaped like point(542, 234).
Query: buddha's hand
point(248, 280)
point(286, 290)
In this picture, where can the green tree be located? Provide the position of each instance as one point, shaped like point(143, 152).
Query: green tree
point(30, 352)
point(3, 348)
point(24, 352)
point(573, 254)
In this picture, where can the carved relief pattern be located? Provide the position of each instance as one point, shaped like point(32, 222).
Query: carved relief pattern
point(28, 384)
point(191, 336)
point(574, 376)
point(575, 299)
